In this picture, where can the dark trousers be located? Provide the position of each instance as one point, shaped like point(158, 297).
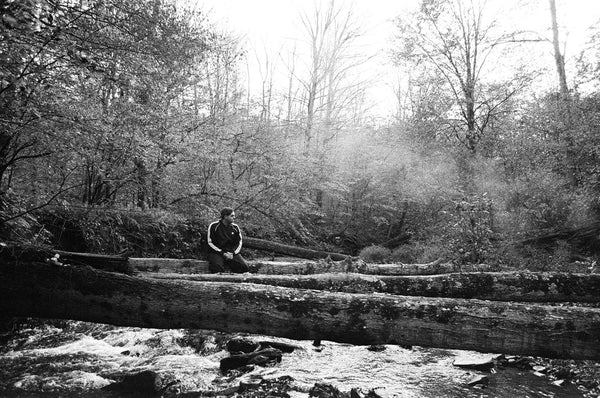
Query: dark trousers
point(218, 263)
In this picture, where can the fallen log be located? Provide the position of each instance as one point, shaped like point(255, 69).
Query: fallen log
point(87, 294)
point(496, 286)
point(191, 266)
point(360, 267)
point(294, 251)
point(30, 253)
point(23, 253)
point(288, 250)
point(169, 265)
point(586, 236)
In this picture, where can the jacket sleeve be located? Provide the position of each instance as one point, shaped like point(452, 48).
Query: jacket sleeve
point(239, 246)
point(209, 238)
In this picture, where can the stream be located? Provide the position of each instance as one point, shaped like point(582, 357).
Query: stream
point(78, 359)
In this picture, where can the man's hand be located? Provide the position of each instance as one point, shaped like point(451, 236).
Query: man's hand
point(228, 256)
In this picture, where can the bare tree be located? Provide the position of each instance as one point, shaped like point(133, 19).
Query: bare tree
point(292, 89)
point(221, 70)
point(267, 71)
point(332, 33)
point(454, 40)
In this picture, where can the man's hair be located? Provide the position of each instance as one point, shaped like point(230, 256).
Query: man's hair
point(226, 211)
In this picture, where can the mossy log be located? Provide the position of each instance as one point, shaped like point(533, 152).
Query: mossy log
point(87, 294)
point(497, 286)
point(169, 265)
point(182, 266)
point(358, 266)
point(23, 253)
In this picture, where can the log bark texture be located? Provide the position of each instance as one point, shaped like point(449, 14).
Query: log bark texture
point(191, 266)
point(83, 293)
point(169, 265)
point(496, 286)
point(360, 267)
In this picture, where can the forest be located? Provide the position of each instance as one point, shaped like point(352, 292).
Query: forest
point(126, 126)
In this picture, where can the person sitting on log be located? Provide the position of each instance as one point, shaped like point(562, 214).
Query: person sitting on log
point(224, 244)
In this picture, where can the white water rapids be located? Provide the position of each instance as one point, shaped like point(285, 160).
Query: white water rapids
point(75, 359)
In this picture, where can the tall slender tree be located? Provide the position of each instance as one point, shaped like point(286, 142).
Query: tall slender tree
point(564, 103)
point(559, 57)
point(332, 32)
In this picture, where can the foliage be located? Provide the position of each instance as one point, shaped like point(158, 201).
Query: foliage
point(422, 252)
point(470, 232)
point(132, 119)
point(135, 233)
point(451, 44)
point(375, 254)
point(561, 257)
point(93, 88)
point(16, 224)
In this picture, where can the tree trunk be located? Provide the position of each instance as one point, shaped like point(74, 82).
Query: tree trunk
point(86, 294)
point(465, 160)
point(280, 248)
point(496, 286)
point(559, 58)
point(565, 106)
point(141, 177)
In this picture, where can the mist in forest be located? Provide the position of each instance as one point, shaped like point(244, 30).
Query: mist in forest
point(447, 124)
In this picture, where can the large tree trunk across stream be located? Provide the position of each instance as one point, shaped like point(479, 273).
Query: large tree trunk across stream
point(497, 286)
point(83, 293)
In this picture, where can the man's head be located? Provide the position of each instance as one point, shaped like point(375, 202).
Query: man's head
point(227, 214)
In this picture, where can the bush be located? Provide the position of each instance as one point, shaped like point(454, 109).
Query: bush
point(139, 234)
point(420, 252)
point(408, 253)
point(557, 258)
point(375, 254)
point(470, 232)
point(17, 224)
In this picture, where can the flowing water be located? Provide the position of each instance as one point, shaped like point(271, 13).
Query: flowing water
point(77, 359)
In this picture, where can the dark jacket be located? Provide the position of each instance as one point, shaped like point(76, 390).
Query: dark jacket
point(224, 238)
